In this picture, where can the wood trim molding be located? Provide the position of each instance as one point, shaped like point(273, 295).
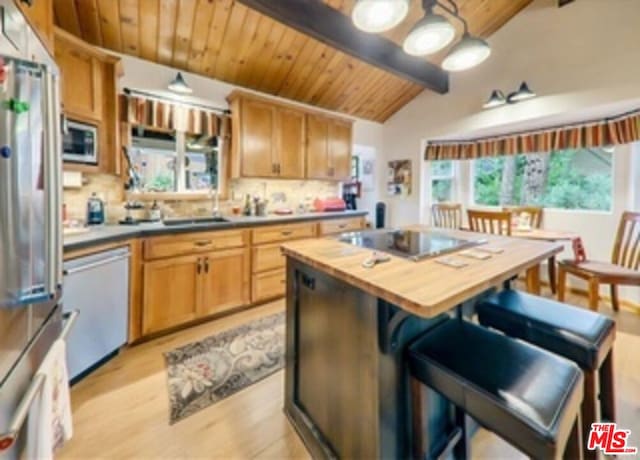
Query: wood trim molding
point(299, 107)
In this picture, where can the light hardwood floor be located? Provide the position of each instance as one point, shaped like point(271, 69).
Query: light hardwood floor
point(121, 411)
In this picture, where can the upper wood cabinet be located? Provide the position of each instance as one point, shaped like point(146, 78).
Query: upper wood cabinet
point(276, 140)
point(89, 93)
point(39, 13)
point(290, 143)
point(81, 81)
point(256, 146)
point(328, 148)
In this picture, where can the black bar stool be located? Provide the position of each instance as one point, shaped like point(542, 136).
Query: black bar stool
point(584, 337)
point(524, 394)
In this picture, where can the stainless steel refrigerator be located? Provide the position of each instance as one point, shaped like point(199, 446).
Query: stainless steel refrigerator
point(30, 220)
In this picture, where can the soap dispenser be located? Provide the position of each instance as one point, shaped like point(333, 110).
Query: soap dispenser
point(95, 210)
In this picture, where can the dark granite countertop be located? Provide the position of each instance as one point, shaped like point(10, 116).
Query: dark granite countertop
point(113, 233)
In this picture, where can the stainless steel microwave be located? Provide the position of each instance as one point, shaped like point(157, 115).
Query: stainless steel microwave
point(80, 143)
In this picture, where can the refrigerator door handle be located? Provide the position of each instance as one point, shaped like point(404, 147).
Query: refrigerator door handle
point(53, 172)
point(8, 438)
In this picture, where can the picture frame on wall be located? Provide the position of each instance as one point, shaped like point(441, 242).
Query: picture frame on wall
point(399, 178)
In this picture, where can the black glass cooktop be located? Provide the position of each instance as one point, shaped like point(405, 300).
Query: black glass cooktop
point(406, 243)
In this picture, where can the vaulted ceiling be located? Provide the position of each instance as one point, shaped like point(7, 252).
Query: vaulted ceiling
point(225, 40)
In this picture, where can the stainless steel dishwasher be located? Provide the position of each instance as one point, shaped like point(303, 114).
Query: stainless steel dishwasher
point(98, 286)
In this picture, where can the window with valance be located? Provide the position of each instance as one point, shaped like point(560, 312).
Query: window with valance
point(175, 147)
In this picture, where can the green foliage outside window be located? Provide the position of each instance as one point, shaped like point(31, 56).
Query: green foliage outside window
point(569, 179)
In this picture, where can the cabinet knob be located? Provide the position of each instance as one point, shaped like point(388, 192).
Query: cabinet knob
point(206, 265)
point(199, 268)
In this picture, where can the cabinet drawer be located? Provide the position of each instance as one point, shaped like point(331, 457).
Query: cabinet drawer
point(275, 233)
point(268, 285)
point(267, 257)
point(173, 245)
point(329, 227)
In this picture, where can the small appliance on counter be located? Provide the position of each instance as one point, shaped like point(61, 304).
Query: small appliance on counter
point(95, 210)
point(329, 204)
point(351, 191)
point(154, 214)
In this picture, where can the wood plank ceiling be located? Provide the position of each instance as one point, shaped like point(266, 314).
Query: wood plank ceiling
point(225, 40)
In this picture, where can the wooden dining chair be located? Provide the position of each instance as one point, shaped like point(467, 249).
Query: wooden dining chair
point(534, 211)
point(536, 222)
point(496, 222)
point(622, 270)
point(447, 215)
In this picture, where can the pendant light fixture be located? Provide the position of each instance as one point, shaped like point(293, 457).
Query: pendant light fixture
point(468, 52)
point(430, 34)
point(178, 85)
point(377, 16)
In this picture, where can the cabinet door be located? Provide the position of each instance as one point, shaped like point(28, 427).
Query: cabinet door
point(340, 150)
point(81, 82)
point(225, 281)
point(269, 285)
point(40, 16)
point(317, 147)
point(171, 290)
point(258, 127)
point(290, 132)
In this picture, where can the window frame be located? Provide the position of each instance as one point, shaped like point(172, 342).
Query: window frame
point(452, 177)
point(181, 192)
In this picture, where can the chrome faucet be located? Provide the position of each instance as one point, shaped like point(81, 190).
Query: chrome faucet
point(216, 204)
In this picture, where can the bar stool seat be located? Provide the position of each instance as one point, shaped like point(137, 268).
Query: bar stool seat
point(582, 336)
point(524, 394)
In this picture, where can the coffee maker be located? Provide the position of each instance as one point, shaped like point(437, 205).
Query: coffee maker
point(351, 191)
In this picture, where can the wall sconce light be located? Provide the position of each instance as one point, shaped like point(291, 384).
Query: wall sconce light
point(179, 85)
point(498, 98)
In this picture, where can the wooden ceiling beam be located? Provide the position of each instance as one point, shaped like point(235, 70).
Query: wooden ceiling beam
point(330, 26)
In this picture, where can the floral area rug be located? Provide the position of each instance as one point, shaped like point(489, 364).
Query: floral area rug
point(212, 369)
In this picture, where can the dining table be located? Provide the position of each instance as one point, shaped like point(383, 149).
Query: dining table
point(551, 236)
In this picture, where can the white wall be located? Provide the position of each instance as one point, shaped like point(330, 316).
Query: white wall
point(577, 57)
point(148, 76)
point(582, 60)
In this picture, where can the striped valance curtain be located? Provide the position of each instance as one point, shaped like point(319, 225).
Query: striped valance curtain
point(622, 129)
point(154, 113)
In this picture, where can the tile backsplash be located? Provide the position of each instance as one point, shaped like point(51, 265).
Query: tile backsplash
point(107, 187)
point(279, 193)
point(282, 193)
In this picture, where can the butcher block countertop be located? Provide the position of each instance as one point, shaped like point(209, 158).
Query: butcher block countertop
point(425, 288)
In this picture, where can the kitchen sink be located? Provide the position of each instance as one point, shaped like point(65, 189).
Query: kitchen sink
point(194, 220)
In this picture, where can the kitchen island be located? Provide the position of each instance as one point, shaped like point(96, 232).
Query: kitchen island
point(346, 387)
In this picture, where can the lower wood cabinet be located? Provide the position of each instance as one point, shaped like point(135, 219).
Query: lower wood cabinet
point(333, 226)
point(188, 276)
point(171, 292)
point(268, 285)
point(225, 281)
point(181, 289)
